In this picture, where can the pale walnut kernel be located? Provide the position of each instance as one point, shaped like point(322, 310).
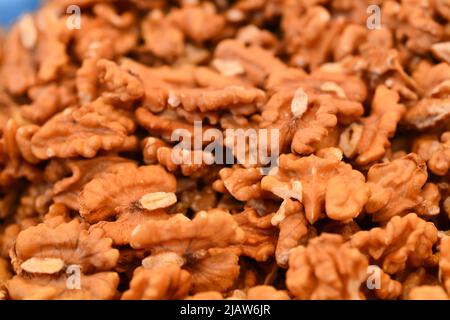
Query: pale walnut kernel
point(42, 265)
point(28, 32)
point(441, 51)
point(299, 103)
point(228, 68)
point(162, 259)
point(157, 200)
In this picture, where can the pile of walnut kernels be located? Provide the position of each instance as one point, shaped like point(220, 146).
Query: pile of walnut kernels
point(358, 208)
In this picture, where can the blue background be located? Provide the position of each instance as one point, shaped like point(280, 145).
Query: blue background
point(10, 10)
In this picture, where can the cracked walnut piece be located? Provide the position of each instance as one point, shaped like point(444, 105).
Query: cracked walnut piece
point(83, 131)
point(397, 187)
point(370, 139)
point(200, 245)
point(327, 268)
point(403, 241)
point(260, 235)
point(436, 153)
point(131, 196)
point(164, 283)
point(48, 248)
point(322, 185)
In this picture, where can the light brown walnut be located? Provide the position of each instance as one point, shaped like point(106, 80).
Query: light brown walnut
point(17, 68)
point(120, 86)
point(257, 62)
point(83, 132)
point(47, 100)
point(98, 286)
point(370, 139)
point(307, 108)
point(123, 195)
point(161, 37)
point(242, 183)
point(69, 176)
point(436, 152)
point(327, 268)
point(396, 187)
point(101, 39)
point(205, 99)
point(260, 234)
point(266, 293)
point(188, 162)
point(427, 113)
point(71, 243)
point(323, 185)
point(163, 283)
point(13, 165)
point(198, 243)
point(404, 242)
point(294, 230)
point(198, 22)
point(96, 204)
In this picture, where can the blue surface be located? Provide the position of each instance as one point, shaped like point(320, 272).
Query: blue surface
point(10, 10)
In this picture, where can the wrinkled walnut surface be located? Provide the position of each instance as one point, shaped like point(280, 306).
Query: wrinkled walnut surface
point(354, 205)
